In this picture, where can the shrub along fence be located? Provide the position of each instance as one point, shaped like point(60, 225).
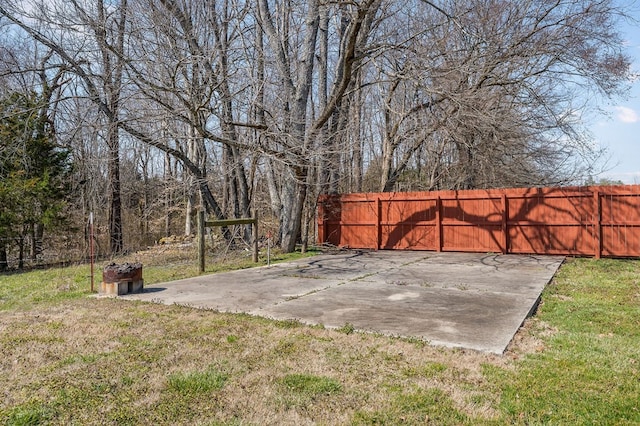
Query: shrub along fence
point(600, 221)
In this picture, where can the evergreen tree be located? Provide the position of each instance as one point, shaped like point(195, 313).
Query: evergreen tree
point(33, 175)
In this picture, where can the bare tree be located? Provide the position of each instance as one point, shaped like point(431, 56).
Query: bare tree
point(297, 129)
point(501, 83)
point(110, 35)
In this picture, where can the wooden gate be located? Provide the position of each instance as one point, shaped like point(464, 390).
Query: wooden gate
point(587, 221)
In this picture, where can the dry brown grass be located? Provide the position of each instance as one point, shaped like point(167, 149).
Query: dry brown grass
point(103, 361)
point(96, 361)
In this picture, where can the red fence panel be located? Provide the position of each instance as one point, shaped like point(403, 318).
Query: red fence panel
point(407, 224)
point(592, 221)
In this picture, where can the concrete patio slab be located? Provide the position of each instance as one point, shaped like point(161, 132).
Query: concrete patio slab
point(233, 291)
point(448, 317)
point(469, 300)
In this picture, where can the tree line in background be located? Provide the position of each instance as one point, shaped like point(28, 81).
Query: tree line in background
point(145, 111)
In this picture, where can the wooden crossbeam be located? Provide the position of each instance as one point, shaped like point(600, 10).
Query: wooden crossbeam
point(231, 222)
point(226, 222)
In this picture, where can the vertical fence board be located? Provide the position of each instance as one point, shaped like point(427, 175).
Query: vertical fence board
point(438, 224)
point(505, 224)
point(597, 223)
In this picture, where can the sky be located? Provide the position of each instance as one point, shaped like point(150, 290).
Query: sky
point(618, 129)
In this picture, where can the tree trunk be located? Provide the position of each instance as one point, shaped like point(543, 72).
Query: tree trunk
point(21, 253)
point(466, 166)
point(32, 237)
point(4, 264)
point(357, 168)
point(112, 83)
point(387, 180)
point(116, 243)
point(294, 195)
point(168, 199)
point(37, 234)
point(189, 209)
point(230, 201)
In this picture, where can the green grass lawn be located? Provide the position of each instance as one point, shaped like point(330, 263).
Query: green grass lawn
point(66, 358)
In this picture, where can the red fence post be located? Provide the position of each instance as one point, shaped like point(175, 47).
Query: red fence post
point(505, 224)
point(378, 223)
point(438, 224)
point(598, 224)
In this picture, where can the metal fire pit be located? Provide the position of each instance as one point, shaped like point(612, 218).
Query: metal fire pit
point(122, 279)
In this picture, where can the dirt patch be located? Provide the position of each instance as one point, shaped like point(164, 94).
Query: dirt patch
point(529, 338)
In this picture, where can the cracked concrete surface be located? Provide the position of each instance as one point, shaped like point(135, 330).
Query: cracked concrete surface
point(469, 300)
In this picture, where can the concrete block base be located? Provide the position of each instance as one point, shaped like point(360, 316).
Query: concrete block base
point(118, 288)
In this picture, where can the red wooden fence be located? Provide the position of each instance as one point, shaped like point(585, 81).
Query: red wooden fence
point(592, 221)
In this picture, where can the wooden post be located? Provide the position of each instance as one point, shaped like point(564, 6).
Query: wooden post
point(505, 224)
point(201, 241)
point(91, 249)
point(438, 224)
point(597, 224)
point(254, 228)
point(378, 223)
